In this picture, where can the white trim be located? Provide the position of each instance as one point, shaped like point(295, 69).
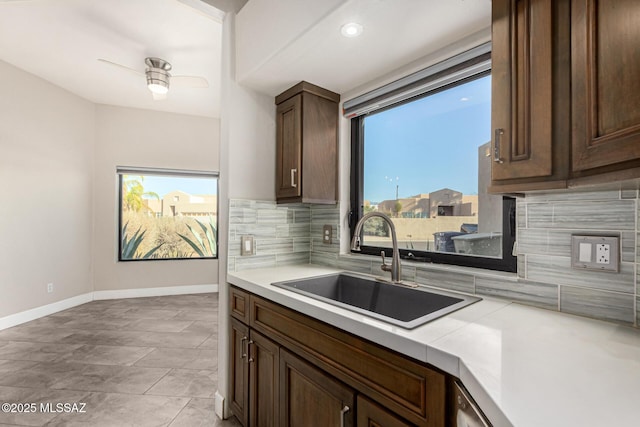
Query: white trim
point(154, 292)
point(218, 407)
point(45, 310)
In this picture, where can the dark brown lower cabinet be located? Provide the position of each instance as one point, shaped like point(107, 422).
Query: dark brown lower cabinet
point(239, 371)
point(289, 370)
point(372, 415)
point(254, 377)
point(310, 398)
point(264, 364)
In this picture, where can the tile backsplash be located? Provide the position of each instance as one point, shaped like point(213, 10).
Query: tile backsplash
point(281, 234)
point(292, 234)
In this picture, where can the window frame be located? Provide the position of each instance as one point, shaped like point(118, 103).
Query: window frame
point(507, 263)
point(178, 173)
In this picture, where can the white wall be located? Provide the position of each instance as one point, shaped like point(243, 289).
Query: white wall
point(46, 142)
point(132, 137)
point(247, 171)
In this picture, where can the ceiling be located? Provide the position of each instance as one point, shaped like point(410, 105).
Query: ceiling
point(301, 40)
point(279, 43)
point(62, 40)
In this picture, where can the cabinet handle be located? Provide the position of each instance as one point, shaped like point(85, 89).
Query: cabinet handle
point(343, 412)
point(496, 145)
point(244, 353)
point(293, 177)
point(250, 360)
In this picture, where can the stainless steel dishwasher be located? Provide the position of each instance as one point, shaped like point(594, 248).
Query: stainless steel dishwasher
point(467, 412)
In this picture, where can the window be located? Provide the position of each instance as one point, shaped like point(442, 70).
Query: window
point(420, 154)
point(167, 214)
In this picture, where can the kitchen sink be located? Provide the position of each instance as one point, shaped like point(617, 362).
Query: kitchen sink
point(398, 304)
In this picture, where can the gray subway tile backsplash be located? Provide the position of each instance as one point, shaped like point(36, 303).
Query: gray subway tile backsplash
point(446, 280)
point(598, 304)
point(577, 214)
point(556, 269)
point(292, 234)
point(538, 294)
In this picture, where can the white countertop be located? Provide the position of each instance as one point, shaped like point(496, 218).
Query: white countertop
point(524, 366)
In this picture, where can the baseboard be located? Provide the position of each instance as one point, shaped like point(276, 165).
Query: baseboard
point(219, 406)
point(45, 310)
point(154, 292)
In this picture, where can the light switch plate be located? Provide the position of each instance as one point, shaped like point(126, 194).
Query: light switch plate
point(247, 246)
point(601, 253)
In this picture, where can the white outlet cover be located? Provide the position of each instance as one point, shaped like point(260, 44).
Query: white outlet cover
point(598, 253)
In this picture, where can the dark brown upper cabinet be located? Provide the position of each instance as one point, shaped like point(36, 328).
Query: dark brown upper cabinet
point(307, 145)
point(530, 95)
point(605, 44)
point(565, 108)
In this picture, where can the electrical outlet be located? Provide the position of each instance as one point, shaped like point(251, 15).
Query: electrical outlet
point(49, 287)
point(603, 253)
point(327, 231)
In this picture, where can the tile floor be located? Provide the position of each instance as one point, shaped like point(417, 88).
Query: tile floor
point(132, 362)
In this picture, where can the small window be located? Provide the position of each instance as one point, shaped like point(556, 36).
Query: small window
point(166, 214)
point(420, 156)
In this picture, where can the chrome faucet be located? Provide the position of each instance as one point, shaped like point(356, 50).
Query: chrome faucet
point(395, 268)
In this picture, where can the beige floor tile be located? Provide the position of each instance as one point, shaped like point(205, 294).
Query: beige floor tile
point(106, 355)
point(39, 414)
point(187, 383)
point(180, 358)
point(38, 352)
point(210, 343)
point(111, 409)
point(199, 413)
point(159, 325)
point(41, 375)
point(136, 362)
point(111, 379)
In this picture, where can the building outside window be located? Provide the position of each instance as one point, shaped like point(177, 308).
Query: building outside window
point(420, 154)
point(167, 214)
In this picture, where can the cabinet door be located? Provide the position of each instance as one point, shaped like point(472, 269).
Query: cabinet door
point(264, 364)
point(310, 398)
point(239, 371)
point(521, 74)
point(289, 148)
point(372, 415)
point(605, 82)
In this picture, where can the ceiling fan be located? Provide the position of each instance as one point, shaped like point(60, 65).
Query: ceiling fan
point(158, 77)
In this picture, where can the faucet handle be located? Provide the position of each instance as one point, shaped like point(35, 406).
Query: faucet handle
point(384, 266)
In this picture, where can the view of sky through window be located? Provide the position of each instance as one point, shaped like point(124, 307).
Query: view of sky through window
point(428, 144)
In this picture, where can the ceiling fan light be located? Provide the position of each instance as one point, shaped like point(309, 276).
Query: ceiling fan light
point(157, 80)
point(157, 75)
point(159, 88)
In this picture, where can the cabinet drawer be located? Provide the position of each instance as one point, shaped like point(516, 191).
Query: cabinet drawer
point(239, 304)
point(405, 387)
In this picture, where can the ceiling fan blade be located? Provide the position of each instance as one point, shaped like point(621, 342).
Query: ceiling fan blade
point(123, 67)
point(159, 96)
point(189, 82)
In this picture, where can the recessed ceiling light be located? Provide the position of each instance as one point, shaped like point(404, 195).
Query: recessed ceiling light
point(352, 29)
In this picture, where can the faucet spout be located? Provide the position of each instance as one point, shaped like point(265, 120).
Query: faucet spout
point(396, 267)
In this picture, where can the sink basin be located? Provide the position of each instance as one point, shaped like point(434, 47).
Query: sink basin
point(397, 304)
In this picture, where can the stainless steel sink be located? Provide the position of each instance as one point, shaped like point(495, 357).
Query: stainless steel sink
point(393, 303)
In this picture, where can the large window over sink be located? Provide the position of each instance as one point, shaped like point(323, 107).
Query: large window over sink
point(421, 155)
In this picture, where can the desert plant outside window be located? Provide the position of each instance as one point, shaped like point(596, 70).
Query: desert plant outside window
point(167, 214)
